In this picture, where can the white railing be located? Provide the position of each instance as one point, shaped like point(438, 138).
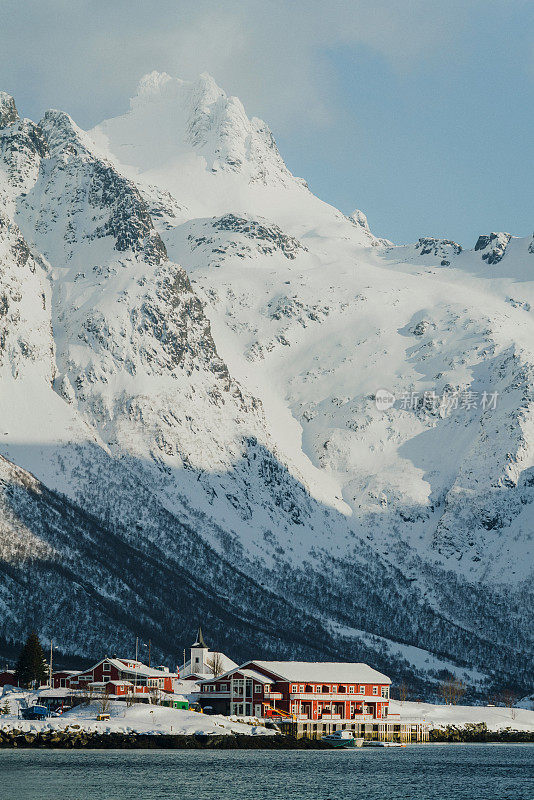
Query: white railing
point(338, 698)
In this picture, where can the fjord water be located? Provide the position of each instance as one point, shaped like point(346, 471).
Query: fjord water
point(419, 772)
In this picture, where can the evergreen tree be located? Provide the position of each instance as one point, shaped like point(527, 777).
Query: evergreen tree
point(31, 665)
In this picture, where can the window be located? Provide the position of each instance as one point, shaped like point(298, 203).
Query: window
point(351, 689)
point(106, 678)
point(257, 688)
point(294, 688)
point(375, 689)
point(385, 691)
point(301, 688)
point(224, 687)
point(334, 688)
point(197, 660)
point(106, 666)
point(362, 690)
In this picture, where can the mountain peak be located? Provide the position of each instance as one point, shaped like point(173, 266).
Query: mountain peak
point(177, 128)
point(8, 110)
point(150, 86)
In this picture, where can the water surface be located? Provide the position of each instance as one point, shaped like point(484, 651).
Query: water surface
point(419, 772)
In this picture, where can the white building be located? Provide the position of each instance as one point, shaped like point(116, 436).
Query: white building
point(203, 662)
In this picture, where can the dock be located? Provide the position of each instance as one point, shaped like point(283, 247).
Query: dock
point(399, 730)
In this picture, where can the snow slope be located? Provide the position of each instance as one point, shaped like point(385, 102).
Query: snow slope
point(190, 347)
point(138, 718)
point(495, 717)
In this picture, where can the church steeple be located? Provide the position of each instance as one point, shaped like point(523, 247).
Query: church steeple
point(200, 640)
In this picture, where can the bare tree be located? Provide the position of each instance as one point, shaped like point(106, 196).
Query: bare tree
point(154, 695)
point(452, 690)
point(508, 698)
point(403, 691)
point(215, 664)
point(104, 703)
point(87, 695)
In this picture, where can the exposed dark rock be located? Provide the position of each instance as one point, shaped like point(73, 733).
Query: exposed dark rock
point(8, 110)
point(497, 251)
point(430, 245)
point(271, 234)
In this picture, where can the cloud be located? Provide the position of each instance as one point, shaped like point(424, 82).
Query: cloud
point(87, 57)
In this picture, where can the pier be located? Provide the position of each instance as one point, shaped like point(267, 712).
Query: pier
point(393, 730)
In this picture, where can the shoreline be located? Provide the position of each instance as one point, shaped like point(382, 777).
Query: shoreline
point(76, 740)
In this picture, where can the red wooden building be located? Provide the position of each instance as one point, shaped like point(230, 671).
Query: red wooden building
point(301, 690)
point(122, 676)
point(7, 678)
point(61, 676)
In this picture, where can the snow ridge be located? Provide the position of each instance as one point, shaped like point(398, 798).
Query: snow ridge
point(191, 345)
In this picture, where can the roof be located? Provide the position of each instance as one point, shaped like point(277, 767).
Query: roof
point(317, 671)
point(65, 672)
point(55, 692)
point(248, 673)
point(119, 683)
point(138, 669)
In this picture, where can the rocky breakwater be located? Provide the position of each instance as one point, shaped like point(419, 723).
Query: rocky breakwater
point(77, 738)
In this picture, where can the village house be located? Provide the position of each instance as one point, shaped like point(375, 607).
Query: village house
point(7, 678)
point(299, 690)
point(61, 676)
point(120, 677)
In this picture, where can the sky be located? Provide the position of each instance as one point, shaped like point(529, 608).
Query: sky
point(420, 113)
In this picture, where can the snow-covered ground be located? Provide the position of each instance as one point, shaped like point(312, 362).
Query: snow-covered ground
point(152, 719)
point(439, 716)
point(139, 718)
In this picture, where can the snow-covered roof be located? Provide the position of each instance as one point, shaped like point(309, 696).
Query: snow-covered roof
point(138, 669)
point(327, 671)
point(62, 692)
point(120, 683)
point(248, 673)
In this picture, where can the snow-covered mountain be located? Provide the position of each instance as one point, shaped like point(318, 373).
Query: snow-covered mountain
point(191, 346)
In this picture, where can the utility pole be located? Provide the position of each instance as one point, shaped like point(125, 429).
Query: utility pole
point(50, 670)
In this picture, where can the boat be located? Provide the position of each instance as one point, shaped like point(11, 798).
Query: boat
point(342, 739)
point(375, 743)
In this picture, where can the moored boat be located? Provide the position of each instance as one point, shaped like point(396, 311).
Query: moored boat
point(375, 743)
point(343, 739)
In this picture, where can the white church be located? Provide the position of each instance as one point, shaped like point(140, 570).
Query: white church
point(203, 662)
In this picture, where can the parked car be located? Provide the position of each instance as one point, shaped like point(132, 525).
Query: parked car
point(34, 712)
